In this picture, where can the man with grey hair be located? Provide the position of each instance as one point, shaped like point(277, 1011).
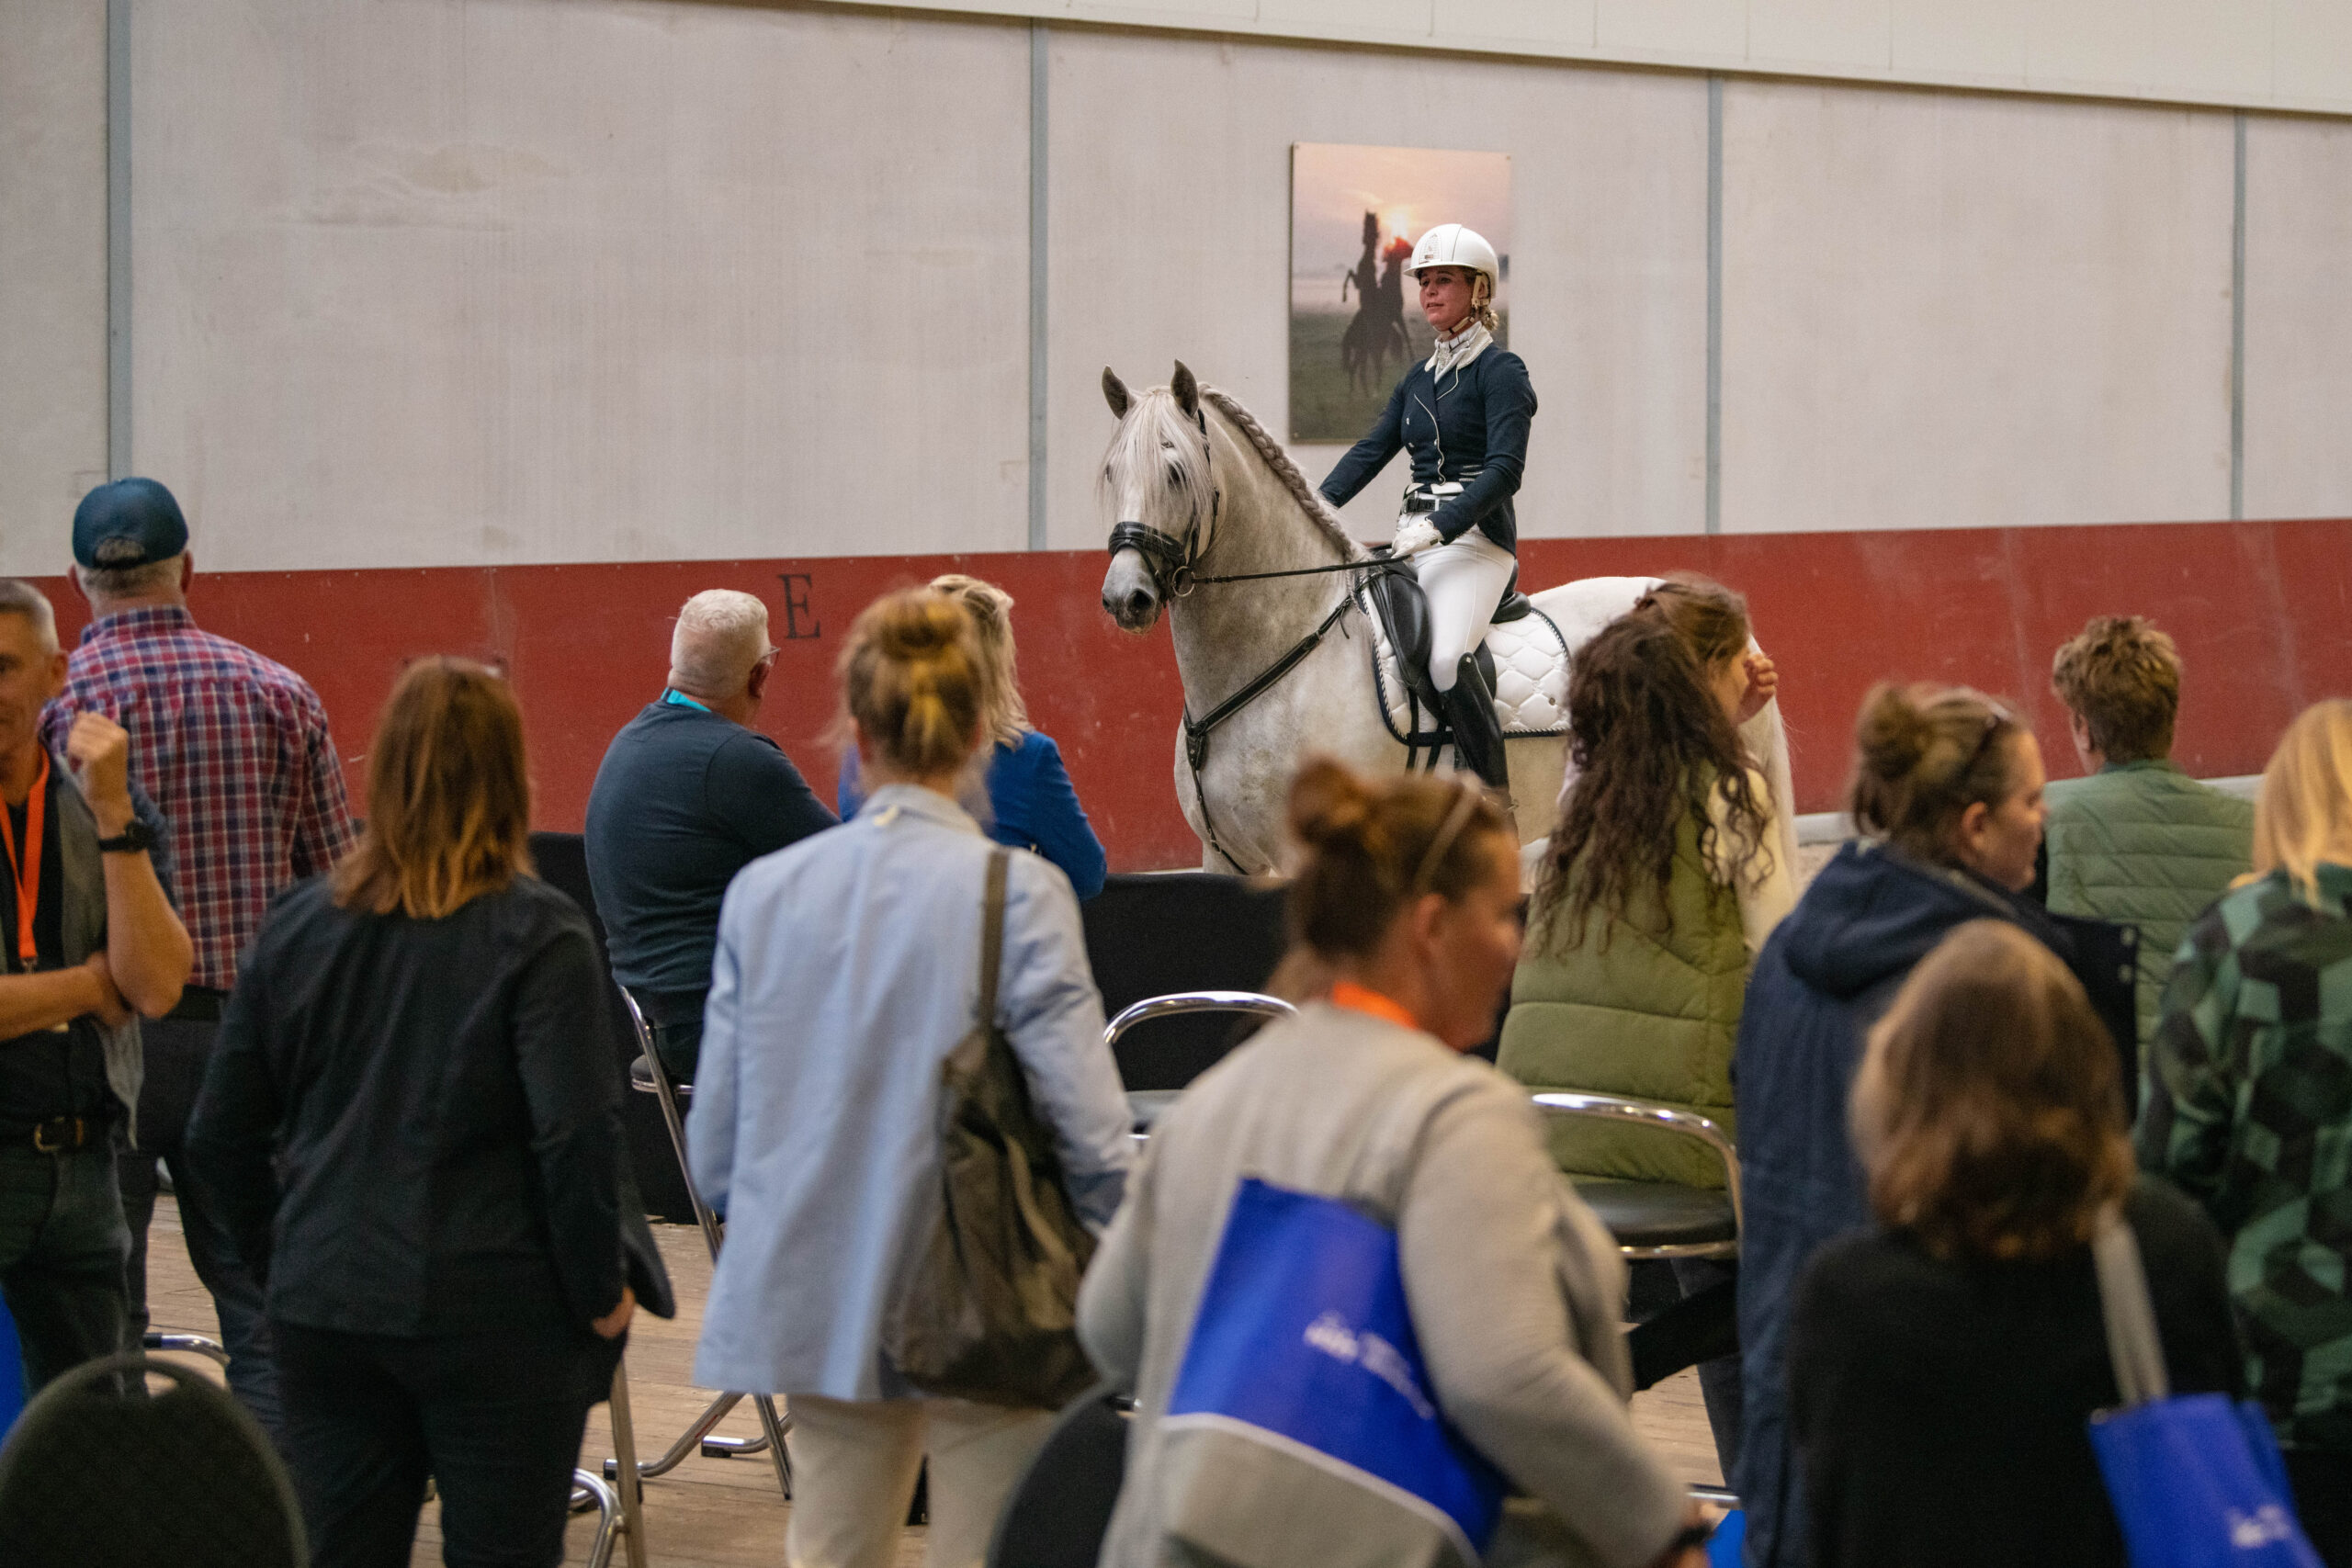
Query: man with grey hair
point(88, 939)
point(235, 749)
point(686, 796)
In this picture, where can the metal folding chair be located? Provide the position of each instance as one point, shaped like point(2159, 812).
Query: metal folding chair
point(1147, 1103)
point(1660, 1219)
point(619, 1505)
point(647, 1076)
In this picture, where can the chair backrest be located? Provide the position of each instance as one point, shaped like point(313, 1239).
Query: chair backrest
point(1057, 1516)
point(1151, 935)
point(563, 862)
point(98, 1469)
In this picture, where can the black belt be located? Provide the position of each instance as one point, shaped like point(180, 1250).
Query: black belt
point(63, 1135)
point(199, 1004)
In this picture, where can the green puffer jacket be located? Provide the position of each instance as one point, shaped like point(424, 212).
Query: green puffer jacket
point(2143, 844)
point(1624, 1012)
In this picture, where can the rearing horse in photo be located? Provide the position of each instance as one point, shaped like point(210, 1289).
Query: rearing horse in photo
point(1268, 606)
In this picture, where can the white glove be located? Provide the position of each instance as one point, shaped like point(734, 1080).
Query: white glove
point(1415, 535)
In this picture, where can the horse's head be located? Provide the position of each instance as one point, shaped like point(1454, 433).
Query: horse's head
point(1156, 487)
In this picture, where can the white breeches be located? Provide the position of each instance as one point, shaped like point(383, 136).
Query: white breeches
point(1463, 582)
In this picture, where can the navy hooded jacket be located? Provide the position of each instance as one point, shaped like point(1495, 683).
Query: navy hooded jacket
point(1827, 974)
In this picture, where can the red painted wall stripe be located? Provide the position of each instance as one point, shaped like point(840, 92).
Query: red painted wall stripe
point(2262, 611)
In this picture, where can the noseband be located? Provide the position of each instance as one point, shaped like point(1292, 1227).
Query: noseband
point(1169, 559)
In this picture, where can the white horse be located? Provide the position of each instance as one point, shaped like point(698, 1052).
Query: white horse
point(1275, 667)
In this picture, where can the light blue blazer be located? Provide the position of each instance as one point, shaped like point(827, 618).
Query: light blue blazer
point(847, 968)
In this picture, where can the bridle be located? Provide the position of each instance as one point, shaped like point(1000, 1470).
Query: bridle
point(1172, 561)
point(1173, 564)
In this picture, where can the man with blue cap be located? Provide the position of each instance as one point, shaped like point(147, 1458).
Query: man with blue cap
point(235, 749)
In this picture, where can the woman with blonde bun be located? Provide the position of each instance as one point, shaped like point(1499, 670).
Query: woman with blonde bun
point(1947, 795)
point(847, 968)
point(1406, 903)
point(1030, 802)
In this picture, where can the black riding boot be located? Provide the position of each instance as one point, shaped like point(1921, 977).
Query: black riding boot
point(1477, 734)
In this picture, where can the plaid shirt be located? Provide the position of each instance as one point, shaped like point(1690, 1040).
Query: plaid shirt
point(233, 747)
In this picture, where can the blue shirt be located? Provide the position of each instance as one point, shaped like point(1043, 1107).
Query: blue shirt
point(1032, 806)
point(848, 967)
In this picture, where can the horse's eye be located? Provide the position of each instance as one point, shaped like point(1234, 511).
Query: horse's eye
point(1175, 476)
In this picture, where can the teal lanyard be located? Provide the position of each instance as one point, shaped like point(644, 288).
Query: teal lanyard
point(678, 699)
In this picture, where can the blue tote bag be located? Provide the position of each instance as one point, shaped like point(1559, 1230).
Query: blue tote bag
point(2197, 1480)
point(1302, 1426)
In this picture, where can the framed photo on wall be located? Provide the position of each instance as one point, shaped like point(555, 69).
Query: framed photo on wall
point(1355, 322)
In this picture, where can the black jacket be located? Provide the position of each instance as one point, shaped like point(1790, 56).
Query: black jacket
point(1943, 1408)
point(1473, 423)
point(443, 1104)
point(1828, 973)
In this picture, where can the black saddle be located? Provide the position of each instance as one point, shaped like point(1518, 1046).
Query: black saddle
point(1404, 611)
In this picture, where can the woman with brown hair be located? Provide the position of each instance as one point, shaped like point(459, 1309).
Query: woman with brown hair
point(1659, 884)
point(847, 969)
point(1028, 801)
point(1948, 795)
point(412, 1127)
point(1405, 900)
point(1943, 1369)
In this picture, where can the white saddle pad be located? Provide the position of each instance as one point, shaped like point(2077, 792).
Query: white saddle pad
point(1530, 676)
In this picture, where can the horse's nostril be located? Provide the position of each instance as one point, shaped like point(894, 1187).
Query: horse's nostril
point(1138, 602)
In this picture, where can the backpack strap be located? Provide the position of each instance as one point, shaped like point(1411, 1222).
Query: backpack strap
point(993, 932)
point(2132, 1342)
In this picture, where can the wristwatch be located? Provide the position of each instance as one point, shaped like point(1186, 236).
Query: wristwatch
point(135, 839)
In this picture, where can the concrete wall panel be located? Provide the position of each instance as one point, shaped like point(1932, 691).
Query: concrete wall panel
point(1947, 310)
point(522, 280)
point(2270, 54)
point(1170, 205)
point(52, 271)
point(2298, 332)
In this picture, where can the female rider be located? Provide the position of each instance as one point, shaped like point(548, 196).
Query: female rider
point(1462, 414)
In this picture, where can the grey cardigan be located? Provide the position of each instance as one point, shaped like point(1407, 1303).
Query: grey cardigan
point(1514, 1286)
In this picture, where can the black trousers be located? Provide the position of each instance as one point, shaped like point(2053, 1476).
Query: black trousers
point(61, 1247)
point(2322, 1484)
point(495, 1419)
point(177, 1052)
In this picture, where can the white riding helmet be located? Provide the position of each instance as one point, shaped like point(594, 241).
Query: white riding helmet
point(1450, 244)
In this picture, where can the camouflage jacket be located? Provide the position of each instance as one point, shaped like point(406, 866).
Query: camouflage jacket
point(2247, 1106)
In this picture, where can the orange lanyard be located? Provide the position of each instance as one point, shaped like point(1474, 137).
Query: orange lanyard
point(26, 867)
point(1364, 998)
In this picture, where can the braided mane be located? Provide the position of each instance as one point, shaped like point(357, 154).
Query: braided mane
point(1310, 499)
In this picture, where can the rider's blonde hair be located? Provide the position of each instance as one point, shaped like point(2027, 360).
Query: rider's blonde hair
point(1482, 302)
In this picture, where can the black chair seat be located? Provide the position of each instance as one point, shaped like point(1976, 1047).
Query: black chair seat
point(641, 1079)
point(1148, 1105)
point(1058, 1514)
point(1657, 1213)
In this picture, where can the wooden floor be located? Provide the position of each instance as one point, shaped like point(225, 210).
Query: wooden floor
point(709, 1513)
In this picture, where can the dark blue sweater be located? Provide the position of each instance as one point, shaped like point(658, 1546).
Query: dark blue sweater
point(1473, 423)
point(682, 801)
point(1032, 806)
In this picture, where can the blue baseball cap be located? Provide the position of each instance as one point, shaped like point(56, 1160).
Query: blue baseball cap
point(127, 523)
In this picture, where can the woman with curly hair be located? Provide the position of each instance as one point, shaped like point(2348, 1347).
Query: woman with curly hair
point(1661, 881)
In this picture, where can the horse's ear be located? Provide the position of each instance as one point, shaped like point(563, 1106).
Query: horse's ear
point(1187, 390)
point(1115, 393)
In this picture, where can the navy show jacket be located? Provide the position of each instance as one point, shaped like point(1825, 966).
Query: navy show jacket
point(1468, 426)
